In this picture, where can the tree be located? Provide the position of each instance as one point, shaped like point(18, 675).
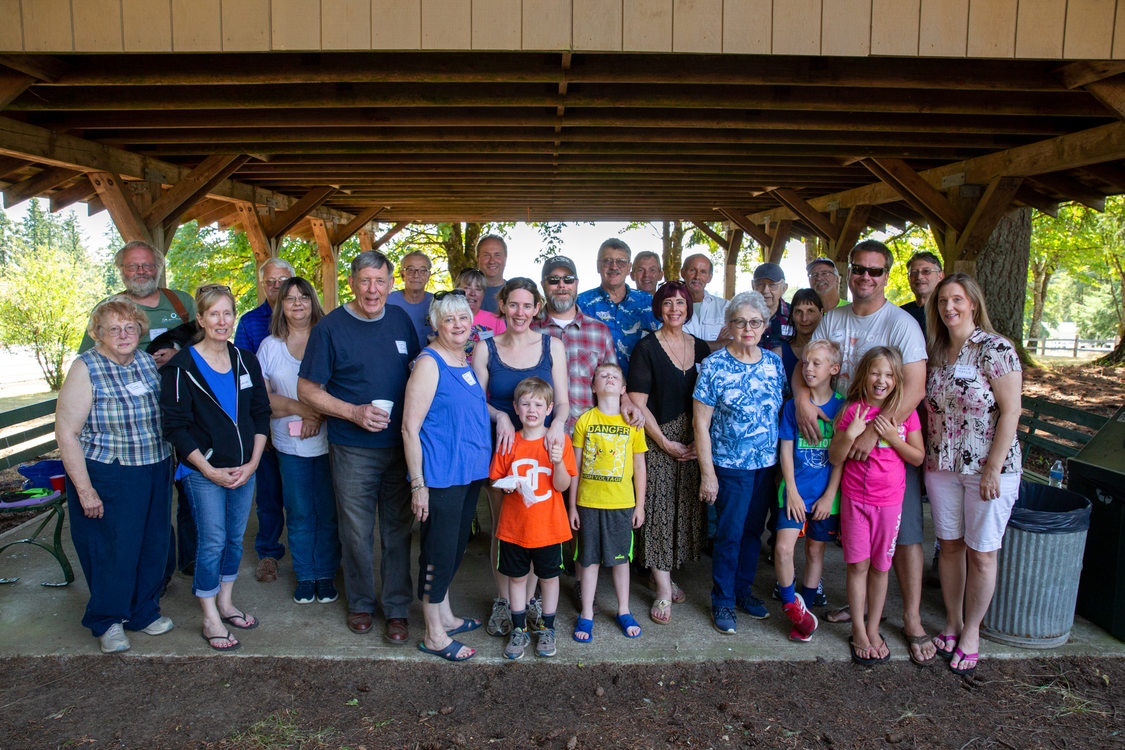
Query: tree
point(1056, 243)
point(45, 301)
point(1002, 262)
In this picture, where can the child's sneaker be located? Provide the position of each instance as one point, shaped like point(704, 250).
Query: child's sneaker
point(545, 644)
point(804, 622)
point(534, 615)
point(500, 621)
point(821, 598)
point(752, 606)
point(517, 642)
point(305, 593)
point(724, 620)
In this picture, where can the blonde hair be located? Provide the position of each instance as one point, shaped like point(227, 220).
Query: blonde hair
point(536, 387)
point(937, 334)
point(833, 348)
point(857, 387)
point(121, 306)
point(206, 297)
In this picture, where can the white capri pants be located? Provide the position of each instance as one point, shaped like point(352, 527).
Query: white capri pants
point(959, 513)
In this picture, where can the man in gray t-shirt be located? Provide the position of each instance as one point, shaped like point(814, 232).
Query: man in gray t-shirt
point(869, 321)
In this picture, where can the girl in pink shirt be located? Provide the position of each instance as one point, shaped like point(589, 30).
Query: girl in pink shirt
point(871, 491)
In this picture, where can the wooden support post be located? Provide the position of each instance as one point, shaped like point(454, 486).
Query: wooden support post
point(329, 256)
point(121, 209)
point(366, 240)
point(854, 225)
point(780, 237)
point(262, 247)
point(730, 272)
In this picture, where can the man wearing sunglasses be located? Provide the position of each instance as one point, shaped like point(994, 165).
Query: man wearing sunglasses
point(627, 313)
point(871, 320)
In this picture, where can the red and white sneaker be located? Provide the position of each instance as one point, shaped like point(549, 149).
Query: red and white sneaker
point(804, 622)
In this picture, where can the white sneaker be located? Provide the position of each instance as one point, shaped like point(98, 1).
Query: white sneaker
point(159, 626)
point(114, 639)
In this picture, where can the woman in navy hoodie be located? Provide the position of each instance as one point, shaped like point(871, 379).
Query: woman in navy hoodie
point(216, 415)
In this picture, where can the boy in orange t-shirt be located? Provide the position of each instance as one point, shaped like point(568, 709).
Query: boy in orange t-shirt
point(532, 535)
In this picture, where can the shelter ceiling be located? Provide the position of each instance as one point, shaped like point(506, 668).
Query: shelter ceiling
point(536, 136)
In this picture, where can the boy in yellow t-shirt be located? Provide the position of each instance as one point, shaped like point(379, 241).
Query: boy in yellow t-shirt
point(610, 501)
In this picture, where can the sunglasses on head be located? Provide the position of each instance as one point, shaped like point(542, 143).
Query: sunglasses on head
point(552, 280)
point(874, 272)
point(442, 295)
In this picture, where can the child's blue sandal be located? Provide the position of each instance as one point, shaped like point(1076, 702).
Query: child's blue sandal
point(584, 626)
point(627, 621)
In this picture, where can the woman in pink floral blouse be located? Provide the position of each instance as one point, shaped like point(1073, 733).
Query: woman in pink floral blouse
point(972, 456)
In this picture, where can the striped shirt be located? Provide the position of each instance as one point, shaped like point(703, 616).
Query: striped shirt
point(124, 423)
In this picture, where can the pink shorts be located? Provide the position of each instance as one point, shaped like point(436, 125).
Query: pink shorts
point(869, 532)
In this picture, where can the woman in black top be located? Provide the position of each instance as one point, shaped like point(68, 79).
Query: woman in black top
point(662, 372)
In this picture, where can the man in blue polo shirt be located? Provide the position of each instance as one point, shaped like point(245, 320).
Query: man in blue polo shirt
point(359, 355)
point(253, 328)
point(626, 312)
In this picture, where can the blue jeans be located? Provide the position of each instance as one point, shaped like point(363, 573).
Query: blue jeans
point(122, 553)
point(310, 512)
point(181, 543)
point(220, 522)
point(271, 519)
point(741, 506)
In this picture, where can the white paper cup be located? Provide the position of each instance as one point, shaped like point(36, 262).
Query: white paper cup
point(384, 404)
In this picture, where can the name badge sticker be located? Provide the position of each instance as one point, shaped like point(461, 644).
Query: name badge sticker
point(487, 334)
point(401, 346)
point(244, 382)
point(137, 388)
point(769, 370)
point(468, 377)
point(964, 372)
point(154, 332)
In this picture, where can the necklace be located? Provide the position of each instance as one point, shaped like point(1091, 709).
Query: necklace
point(457, 357)
point(681, 361)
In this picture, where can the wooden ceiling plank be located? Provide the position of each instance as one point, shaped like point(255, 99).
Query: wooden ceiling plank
point(341, 235)
point(818, 222)
point(994, 202)
point(46, 180)
point(197, 183)
point(287, 219)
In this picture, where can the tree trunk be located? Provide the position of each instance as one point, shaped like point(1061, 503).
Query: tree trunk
point(672, 238)
point(461, 248)
point(1041, 279)
point(1117, 356)
point(1002, 273)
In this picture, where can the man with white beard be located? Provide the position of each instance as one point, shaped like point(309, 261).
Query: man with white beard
point(141, 265)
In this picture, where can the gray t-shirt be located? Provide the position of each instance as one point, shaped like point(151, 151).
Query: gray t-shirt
point(887, 326)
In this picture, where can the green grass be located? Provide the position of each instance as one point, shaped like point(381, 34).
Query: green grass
point(280, 730)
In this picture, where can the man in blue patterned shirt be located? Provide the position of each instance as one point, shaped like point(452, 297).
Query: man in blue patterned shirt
point(626, 312)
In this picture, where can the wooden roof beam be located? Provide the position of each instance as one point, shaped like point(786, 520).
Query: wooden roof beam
point(994, 202)
point(1079, 74)
point(717, 238)
point(306, 204)
point(12, 84)
point(1093, 146)
point(121, 209)
point(40, 67)
point(177, 199)
point(81, 190)
point(46, 180)
point(820, 224)
point(922, 196)
point(386, 237)
point(739, 219)
point(341, 235)
point(1029, 196)
point(1071, 189)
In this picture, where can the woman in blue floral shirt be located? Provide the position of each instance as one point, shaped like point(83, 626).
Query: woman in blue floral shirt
point(737, 400)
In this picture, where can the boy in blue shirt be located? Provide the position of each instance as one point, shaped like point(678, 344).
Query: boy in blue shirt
point(809, 492)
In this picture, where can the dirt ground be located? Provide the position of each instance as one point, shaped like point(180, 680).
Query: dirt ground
point(228, 702)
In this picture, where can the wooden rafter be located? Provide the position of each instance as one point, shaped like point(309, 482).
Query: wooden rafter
point(1071, 189)
point(740, 220)
point(201, 180)
point(345, 232)
point(994, 202)
point(305, 205)
point(816, 221)
point(121, 209)
point(717, 238)
point(81, 190)
point(390, 233)
point(12, 84)
point(47, 179)
point(921, 195)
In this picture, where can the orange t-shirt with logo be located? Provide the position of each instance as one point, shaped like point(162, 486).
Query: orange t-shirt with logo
point(545, 522)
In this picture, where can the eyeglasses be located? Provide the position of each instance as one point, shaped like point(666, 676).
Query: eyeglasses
point(742, 323)
point(822, 274)
point(415, 271)
point(553, 280)
point(129, 329)
point(134, 267)
point(874, 272)
point(765, 284)
point(213, 288)
point(301, 298)
point(921, 272)
point(442, 295)
point(278, 281)
point(615, 262)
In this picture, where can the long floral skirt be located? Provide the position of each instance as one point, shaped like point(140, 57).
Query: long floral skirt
point(675, 526)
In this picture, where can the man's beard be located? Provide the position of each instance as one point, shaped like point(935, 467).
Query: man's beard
point(560, 304)
point(141, 289)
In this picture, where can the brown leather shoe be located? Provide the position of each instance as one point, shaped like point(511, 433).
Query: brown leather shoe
point(359, 622)
point(267, 570)
point(396, 631)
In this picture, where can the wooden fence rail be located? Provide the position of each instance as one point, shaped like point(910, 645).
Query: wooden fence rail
point(1072, 346)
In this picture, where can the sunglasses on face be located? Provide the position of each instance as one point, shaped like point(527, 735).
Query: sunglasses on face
point(455, 292)
point(874, 272)
point(553, 280)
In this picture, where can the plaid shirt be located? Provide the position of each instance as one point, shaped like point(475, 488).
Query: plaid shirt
point(124, 423)
point(588, 343)
point(780, 328)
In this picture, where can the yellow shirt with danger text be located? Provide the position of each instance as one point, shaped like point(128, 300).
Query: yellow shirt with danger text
point(606, 446)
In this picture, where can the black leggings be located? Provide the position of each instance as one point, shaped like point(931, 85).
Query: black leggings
point(445, 533)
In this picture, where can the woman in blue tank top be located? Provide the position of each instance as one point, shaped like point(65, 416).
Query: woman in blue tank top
point(446, 441)
point(500, 363)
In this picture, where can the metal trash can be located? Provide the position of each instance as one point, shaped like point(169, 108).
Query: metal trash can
point(1039, 568)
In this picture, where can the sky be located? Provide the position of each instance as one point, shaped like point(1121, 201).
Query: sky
point(580, 242)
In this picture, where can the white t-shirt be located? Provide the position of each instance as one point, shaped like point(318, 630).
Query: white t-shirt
point(280, 368)
point(708, 320)
point(887, 326)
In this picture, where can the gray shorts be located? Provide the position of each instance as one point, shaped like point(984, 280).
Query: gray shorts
point(910, 529)
point(605, 536)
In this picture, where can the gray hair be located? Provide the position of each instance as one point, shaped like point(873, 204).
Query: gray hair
point(280, 263)
point(448, 304)
point(372, 259)
point(417, 254)
point(157, 256)
point(746, 299)
point(615, 244)
point(645, 255)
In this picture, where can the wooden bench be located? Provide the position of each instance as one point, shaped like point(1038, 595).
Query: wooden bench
point(1054, 428)
point(53, 504)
